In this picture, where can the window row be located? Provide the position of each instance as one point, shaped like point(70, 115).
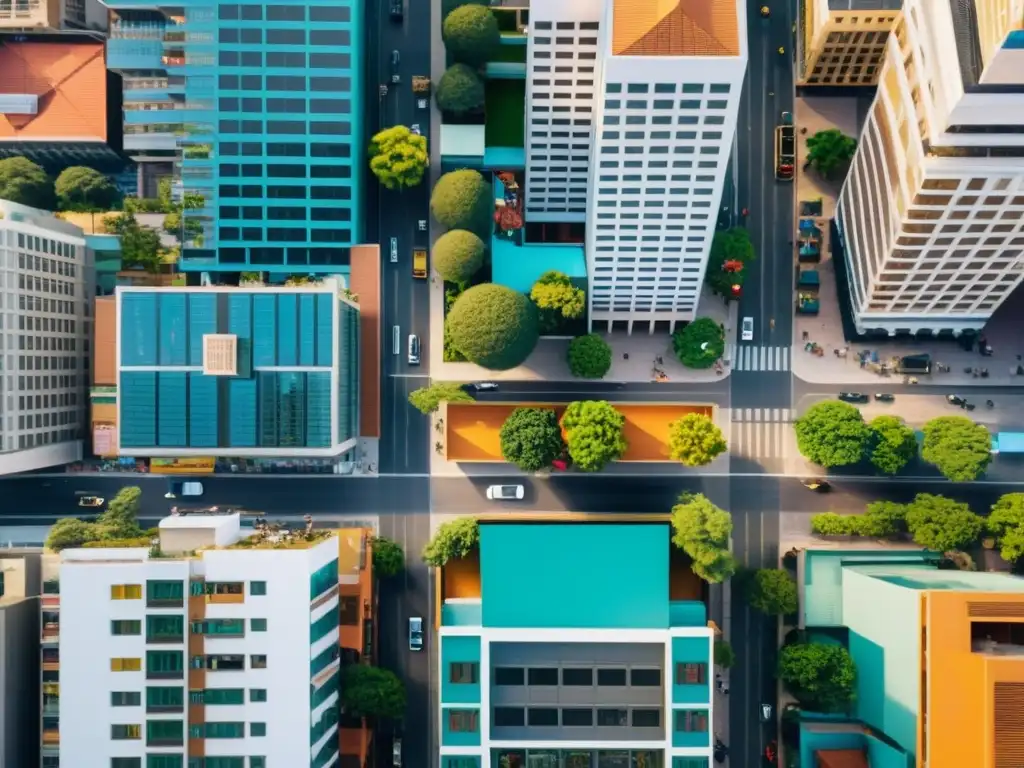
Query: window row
point(282, 192)
point(279, 171)
point(45, 245)
point(289, 127)
point(258, 36)
point(686, 88)
point(666, 104)
point(285, 235)
point(178, 761)
point(45, 265)
point(576, 717)
point(329, 13)
point(258, 213)
point(286, 59)
point(292, 106)
point(576, 676)
point(664, 119)
point(283, 149)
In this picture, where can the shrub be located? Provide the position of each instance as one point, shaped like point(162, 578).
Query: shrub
point(84, 189)
point(447, 6)
point(493, 326)
point(832, 433)
point(831, 524)
point(426, 400)
point(942, 524)
point(531, 438)
point(471, 33)
point(460, 91)
point(452, 541)
point(398, 157)
point(695, 440)
point(702, 531)
point(462, 200)
point(458, 255)
point(820, 676)
point(594, 434)
point(590, 357)
point(773, 591)
point(388, 557)
point(700, 343)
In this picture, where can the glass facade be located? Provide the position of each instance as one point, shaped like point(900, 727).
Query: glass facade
point(257, 104)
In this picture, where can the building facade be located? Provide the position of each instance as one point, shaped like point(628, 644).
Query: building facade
point(538, 669)
point(49, 654)
point(231, 654)
point(930, 216)
point(46, 285)
point(254, 110)
point(842, 42)
point(237, 372)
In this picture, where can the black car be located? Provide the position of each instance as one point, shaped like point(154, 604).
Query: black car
point(853, 397)
point(396, 10)
point(884, 397)
point(482, 386)
point(956, 400)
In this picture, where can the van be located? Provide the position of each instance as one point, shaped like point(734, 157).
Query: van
point(394, 250)
point(414, 349)
point(396, 341)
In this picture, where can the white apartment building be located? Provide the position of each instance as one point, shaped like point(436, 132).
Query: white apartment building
point(931, 216)
point(46, 286)
point(214, 645)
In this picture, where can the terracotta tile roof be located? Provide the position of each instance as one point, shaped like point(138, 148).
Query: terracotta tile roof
point(70, 81)
point(841, 758)
point(675, 28)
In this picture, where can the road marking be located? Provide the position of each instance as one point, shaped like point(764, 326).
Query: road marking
point(748, 357)
point(409, 375)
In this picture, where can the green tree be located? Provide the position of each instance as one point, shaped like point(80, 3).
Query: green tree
point(371, 692)
point(70, 533)
point(882, 519)
point(960, 449)
point(830, 150)
point(702, 531)
point(695, 440)
point(892, 445)
point(85, 190)
point(730, 248)
point(120, 520)
point(388, 557)
point(447, 6)
point(590, 357)
point(831, 524)
point(452, 541)
point(463, 200)
point(832, 433)
point(426, 400)
point(398, 157)
point(458, 255)
point(460, 91)
point(725, 656)
point(699, 344)
point(821, 676)
point(594, 433)
point(471, 34)
point(24, 182)
point(773, 591)
point(1006, 524)
point(186, 228)
point(942, 524)
point(493, 326)
point(140, 246)
point(531, 438)
point(555, 293)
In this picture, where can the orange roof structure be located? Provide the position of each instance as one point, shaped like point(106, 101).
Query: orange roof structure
point(841, 758)
point(70, 82)
point(675, 28)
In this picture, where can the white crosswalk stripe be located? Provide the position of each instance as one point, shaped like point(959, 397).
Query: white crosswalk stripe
point(748, 357)
point(762, 433)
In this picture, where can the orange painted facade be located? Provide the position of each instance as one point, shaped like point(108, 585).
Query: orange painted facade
point(972, 707)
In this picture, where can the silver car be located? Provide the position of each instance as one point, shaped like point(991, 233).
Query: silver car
point(415, 634)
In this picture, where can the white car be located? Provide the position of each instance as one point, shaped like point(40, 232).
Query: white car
point(396, 752)
point(506, 492)
point(394, 250)
point(416, 633)
point(421, 103)
point(747, 329)
point(422, 225)
point(415, 128)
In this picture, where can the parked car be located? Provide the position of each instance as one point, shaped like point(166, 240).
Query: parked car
point(885, 397)
point(189, 488)
point(394, 250)
point(483, 386)
point(396, 12)
point(415, 634)
point(956, 400)
point(853, 397)
point(414, 349)
point(90, 501)
point(422, 225)
point(395, 61)
point(396, 752)
point(506, 492)
point(747, 329)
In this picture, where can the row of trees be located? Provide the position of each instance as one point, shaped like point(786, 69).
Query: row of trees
point(78, 188)
point(834, 434)
point(471, 35)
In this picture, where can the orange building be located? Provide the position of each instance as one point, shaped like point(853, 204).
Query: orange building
point(103, 391)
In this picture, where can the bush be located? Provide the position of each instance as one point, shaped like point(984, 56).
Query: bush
point(426, 400)
point(447, 6)
point(1006, 524)
point(695, 440)
point(830, 150)
point(594, 434)
point(831, 524)
point(960, 449)
point(590, 357)
point(458, 255)
point(554, 292)
point(83, 189)
point(832, 433)
point(388, 557)
point(493, 326)
point(470, 34)
point(773, 592)
point(942, 524)
point(702, 531)
point(452, 541)
point(372, 692)
point(882, 519)
point(700, 343)
point(893, 444)
point(531, 438)
point(822, 677)
point(460, 91)
point(731, 254)
point(462, 200)
point(398, 157)
point(24, 182)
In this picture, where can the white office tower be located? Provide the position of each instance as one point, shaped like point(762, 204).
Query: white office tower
point(670, 77)
point(931, 216)
point(209, 648)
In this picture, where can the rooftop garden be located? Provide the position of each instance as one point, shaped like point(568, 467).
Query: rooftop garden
point(504, 105)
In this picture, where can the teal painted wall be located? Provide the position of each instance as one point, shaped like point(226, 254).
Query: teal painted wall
point(462, 761)
point(692, 650)
point(613, 576)
point(688, 738)
point(884, 640)
point(453, 650)
point(459, 738)
point(690, 762)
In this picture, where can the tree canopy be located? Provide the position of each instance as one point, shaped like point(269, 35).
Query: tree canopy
point(462, 200)
point(119, 521)
point(460, 91)
point(882, 519)
point(452, 541)
point(594, 433)
point(830, 150)
point(590, 356)
point(695, 440)
point(531, 438)
point(458, 255)
point(892, 444)
point(960, 449)
point(426, 400)
point(140, 246)
point(772, 591)
point(699, 344)
point(388, 557)
point(1006, 524)
point(493, 326)
point(86, 190)
point(371, 692)
point(398, 157)
point(554, 292)
point(821, 676)
point(70, 533)
point(832, 433)
point(471, 34)
point(942, 524)
point(24, 182)
point(702, 531)
point(731, 253)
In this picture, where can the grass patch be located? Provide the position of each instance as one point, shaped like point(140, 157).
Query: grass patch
point(505, 105)
point(511, 54)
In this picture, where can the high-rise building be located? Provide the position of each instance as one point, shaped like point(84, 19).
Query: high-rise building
point(209, 644)
point(931, 216)
point(842, 42)
point(46, 269)
point(49, 653)
point(255, 111)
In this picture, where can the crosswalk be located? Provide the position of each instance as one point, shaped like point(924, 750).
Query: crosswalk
point(762, 433)
point(748, 357)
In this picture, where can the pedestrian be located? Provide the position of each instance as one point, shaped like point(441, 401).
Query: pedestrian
point(625, 355)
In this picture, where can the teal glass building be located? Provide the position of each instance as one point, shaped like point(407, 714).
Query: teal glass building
point(237, 372)
point(255, 109)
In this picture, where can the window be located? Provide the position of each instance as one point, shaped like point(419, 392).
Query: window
point(691, 673)
point(125, 665)
point(125, 732)
point(219, 696)
point(542, 716)
point(117, 762)
point(509, 675)
point(258, 661)
point(257, 694)
point(612, 717)
point(165, 594)
point(222, 627)
point(645, 677)
point(257, 588)
point(125, 591)
point(611, 676)
point(505, 717)
point(165, 761)
point(257, 762)
point(257, 729)
point(125, 698)
point(543, 676)
point(125, 627)
point(165, 733)
point(165, 629)
point(646, 718)
point(576, 717)
point(463, 672)
point(165, 665)
point(577, 676)
point(217, 730)
point(258, 625)
point(462, 720)
point(691, 721)
point(161, 698)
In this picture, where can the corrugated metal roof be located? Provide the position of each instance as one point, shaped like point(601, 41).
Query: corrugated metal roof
point(675, 28)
